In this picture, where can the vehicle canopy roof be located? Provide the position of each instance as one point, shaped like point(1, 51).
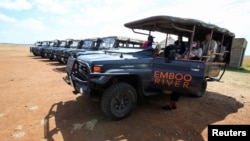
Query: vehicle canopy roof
point(126, 39)
point(176, 25)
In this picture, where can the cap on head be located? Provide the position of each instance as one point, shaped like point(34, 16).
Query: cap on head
point(150, 38)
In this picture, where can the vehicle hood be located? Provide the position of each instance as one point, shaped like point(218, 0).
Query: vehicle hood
point(122, 54)
point(86, 52)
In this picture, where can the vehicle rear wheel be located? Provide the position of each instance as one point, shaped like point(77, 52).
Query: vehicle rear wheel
point(118, 101)
point(43, 55)
point(202, 90)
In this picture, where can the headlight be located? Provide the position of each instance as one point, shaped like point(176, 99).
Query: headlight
point(97, 69)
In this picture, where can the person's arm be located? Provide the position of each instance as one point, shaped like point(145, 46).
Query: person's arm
point(213, 46)
point(223, 49)
point(199, 54)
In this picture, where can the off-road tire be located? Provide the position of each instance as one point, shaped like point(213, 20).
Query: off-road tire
point(202, 90)
point(118, 101)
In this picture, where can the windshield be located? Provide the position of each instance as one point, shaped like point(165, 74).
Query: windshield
point(107, 43)
point(74, 44)
point(51, 44)
point(63, 44)
point(44, 43)
point(38, 44)
point(87, 44)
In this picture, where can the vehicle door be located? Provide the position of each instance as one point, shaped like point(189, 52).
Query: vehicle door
point(177, 75)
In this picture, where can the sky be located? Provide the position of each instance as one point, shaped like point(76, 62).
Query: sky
point(28, 21)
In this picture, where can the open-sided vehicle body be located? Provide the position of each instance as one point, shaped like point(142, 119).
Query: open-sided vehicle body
point(123, 76)
point(192, 29)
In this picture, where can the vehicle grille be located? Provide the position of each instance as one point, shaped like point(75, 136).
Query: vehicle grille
point(82, 70)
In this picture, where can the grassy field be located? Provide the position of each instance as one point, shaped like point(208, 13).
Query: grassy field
point(246, 63)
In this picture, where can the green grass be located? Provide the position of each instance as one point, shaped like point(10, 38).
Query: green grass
point(245, 66)
point(246, 63)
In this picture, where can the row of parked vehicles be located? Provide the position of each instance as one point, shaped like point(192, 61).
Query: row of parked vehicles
point(61, 50)
point(122, 72)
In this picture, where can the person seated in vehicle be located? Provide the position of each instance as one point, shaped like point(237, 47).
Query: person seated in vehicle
point(220, 52)
point(157, 52)
point(180, 47)
point(170, 52)
point(149, 42)
point(196, 51)
point(209, 47)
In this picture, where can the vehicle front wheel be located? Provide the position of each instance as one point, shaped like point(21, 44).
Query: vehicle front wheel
point(118, 101)
point(35, 54)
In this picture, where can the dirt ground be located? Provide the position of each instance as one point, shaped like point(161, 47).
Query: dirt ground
point(37, 105)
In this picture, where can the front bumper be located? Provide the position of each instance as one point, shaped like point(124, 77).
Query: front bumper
point(79, 85)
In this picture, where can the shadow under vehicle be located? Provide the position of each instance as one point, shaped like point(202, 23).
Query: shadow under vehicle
point(125, 75)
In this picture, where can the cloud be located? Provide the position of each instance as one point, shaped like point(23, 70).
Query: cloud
point(33, 24)
point(15, 4)
point(30, 23)
point(52, 6)
point(7, 19)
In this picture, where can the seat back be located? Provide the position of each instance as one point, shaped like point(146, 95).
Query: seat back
point(170, 52)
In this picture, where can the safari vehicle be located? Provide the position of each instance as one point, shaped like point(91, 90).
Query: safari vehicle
point(34, 47)
point(110, 42)
point(60, 44)
point(83, 45)
point(47, 51)
point(100, 47)
point(40, 49)
point(123, 76)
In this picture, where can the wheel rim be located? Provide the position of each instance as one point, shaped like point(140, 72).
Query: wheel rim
point(121, 103)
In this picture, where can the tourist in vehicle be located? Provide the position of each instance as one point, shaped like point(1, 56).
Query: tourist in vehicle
point(180, 47)
point(196, 51)
point(149, 42)
point(209, 47)
point(220, 52)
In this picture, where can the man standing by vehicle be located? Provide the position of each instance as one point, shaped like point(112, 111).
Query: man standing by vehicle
point(209, 47)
